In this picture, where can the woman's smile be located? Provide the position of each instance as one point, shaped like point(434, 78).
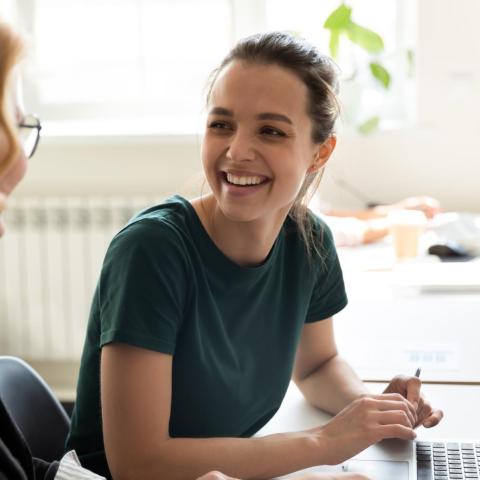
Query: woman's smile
point(238, 183)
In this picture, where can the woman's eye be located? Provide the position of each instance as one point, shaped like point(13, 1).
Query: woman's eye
point(273, 132)
point(219, 125)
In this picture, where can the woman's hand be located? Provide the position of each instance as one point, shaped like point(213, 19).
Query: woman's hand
point(410, 388)
point(428, 205)
point(365, 421)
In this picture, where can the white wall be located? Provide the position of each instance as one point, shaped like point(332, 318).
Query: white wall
point(136, 165)
point(438, 156)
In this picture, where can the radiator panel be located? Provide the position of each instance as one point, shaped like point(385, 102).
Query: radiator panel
point(50, 259)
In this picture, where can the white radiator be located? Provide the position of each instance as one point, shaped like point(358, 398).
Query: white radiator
point(50, 259)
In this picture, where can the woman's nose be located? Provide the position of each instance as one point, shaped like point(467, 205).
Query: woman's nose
point(3, 201)
point(10, 179)
point(241, 147)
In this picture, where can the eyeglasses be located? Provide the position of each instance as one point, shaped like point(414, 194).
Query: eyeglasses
point(29, 132)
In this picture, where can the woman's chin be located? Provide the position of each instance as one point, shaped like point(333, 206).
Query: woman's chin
point(239, 214)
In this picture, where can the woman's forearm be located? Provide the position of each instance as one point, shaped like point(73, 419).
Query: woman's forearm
point(246, 458)
point(376, 230)
point(332, 386)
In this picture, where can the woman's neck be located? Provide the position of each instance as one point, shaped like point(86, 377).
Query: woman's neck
point(245, 243)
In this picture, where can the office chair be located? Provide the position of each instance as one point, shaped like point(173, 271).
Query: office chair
point(36, 411)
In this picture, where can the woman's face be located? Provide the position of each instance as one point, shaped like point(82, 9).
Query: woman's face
point(10, 178)
point(257, 147)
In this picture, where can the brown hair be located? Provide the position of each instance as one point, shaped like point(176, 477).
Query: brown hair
point(318, 73)
point(11, 50)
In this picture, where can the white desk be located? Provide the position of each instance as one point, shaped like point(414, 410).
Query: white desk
point(401, 316)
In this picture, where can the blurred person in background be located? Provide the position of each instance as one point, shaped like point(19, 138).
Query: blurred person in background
point(355, 227)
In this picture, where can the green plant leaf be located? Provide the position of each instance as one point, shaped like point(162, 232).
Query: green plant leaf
point(369, 125)
point(334, 43)
point(339, 18)
point(367, 39)
point(410, 62)
point(381, 74)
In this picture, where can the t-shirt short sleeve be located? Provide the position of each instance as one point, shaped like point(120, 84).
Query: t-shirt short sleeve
point(328, 295)
point(143, 288)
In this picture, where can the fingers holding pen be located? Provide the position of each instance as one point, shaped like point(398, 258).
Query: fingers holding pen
point(424, 415)
point(408, 387)
point(413, 390)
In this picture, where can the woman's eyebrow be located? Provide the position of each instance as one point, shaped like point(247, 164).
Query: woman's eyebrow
point(261, 116)
point(221, 111)
point(274, 116)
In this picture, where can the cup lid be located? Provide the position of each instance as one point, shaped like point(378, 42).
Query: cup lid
point(407, 217)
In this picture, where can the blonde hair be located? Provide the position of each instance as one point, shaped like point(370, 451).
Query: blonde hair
point(11, 51)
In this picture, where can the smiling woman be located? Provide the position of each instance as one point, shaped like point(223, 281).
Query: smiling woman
point(264, 75)
point(264, 134)
point(206, 309)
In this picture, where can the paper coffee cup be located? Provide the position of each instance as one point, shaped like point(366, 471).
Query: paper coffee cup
point(406, 227)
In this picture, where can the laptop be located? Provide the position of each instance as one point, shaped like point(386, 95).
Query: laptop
point(420, 460)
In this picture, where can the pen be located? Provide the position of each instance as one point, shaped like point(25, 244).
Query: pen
point(417, 373)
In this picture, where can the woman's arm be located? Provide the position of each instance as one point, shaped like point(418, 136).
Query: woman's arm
point(372, 224)
point(136, 402)
point(428, 205)
point(329, 383)
point(324, 378)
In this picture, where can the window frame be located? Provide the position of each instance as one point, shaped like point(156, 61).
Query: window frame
point(248, 17)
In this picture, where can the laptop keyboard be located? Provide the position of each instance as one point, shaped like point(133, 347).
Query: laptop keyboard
point(444, 461)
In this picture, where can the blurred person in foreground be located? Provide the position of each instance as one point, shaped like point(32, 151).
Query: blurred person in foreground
point(19, 137)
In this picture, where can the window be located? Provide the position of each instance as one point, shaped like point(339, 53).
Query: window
point(8, 10)
point(118, 65)
point(141, 66)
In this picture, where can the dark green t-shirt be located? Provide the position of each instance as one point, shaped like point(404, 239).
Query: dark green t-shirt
point(233, 331)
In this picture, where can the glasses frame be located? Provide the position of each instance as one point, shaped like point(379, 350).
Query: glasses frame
point(36, 125)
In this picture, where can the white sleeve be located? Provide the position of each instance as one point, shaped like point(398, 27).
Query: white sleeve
point(70, 469)
point(347, 231)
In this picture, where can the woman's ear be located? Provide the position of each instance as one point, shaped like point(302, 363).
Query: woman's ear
point(322, 153)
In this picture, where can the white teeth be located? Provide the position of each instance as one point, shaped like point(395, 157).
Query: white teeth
point(243, 180)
